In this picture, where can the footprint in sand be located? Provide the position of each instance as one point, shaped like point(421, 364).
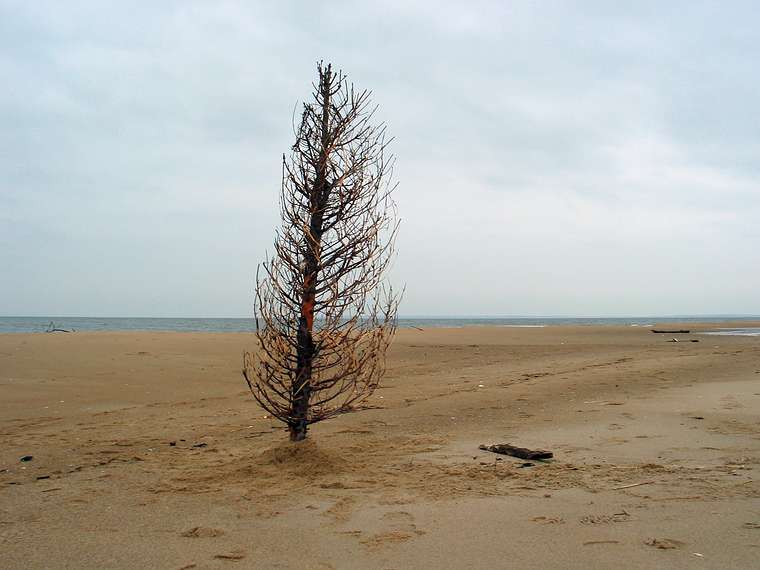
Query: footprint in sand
point(730, 403)
point(341, 509)
point(615, 441)
point(233, 555)
point(548, 520)
point(385, 538)
point(397, 516)
point(734, 427)
point(400, 529)
point(622, 516)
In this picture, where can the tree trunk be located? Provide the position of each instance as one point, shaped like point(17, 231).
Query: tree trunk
point(302, 385)
point(305, 349)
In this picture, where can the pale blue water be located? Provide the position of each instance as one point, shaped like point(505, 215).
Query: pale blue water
point(39, 324)
point(746, 331)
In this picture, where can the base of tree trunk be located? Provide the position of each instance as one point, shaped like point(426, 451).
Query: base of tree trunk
point(298, 432)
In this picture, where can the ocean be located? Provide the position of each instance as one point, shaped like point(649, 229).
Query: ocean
point(41, 324)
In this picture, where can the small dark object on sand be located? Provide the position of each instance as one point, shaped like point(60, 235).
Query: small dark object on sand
point(234, 555)
point(172, 443)
point(521, 452)
point(664, 543)
point(681, 331)
point(200, 445)
point(27, 458)
point(528, 464)
point(41, 477)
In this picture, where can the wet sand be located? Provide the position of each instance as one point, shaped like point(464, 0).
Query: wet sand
point(148, 452)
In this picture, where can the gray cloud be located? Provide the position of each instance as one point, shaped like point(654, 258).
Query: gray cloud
point(554, 158)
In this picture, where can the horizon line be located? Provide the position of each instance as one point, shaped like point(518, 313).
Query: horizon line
point(421, 316)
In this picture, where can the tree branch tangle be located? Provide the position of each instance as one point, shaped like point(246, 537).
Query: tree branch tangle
point(324, 318)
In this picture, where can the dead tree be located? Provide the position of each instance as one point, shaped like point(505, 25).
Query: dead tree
point(324, 317)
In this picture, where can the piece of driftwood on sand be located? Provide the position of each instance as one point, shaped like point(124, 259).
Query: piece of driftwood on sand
point(521, 452)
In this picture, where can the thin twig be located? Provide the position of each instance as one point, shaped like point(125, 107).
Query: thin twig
point(633, 485)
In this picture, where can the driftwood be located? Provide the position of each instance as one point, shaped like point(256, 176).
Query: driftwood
point(663, 331)
point(521, 452)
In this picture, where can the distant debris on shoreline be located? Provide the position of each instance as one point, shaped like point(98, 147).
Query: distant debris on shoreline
point(52, 328)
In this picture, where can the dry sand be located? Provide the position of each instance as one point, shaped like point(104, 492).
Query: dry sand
point(148, 452)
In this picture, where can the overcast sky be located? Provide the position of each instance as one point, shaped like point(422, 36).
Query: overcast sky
point(554, 158)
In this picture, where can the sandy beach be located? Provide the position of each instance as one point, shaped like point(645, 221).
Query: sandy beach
point(148, 452)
